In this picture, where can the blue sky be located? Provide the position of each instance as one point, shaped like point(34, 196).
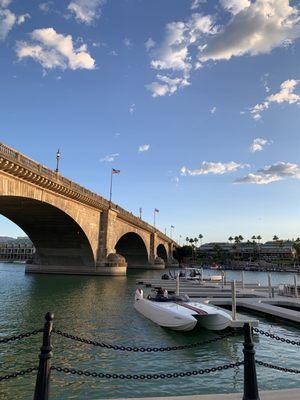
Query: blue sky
point(197, 103)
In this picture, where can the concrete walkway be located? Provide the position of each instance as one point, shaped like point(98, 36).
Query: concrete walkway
point(286, 394)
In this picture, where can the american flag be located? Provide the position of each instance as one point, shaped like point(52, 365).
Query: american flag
point(172, 226)
point(156, 210)
point(115, 171)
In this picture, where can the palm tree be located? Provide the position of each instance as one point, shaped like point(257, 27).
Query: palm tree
point(200, 237)
point(237, 239)
point(241, 238)
point(187, 239)
point(259, 238)
point(230, 239)
point(253, 238)
point(275, 238)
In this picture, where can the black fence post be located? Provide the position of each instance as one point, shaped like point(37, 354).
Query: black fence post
point(250, 379)
point(43, 375)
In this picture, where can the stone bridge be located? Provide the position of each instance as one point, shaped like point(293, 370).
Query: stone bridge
point(73, 229)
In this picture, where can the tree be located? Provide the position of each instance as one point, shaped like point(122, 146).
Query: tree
point(241, 238)
point(200, 237)
point(230, 239)
point(275, 238)
point(259, 238)
point(253, 238)
point(187, 239)
point(237, 239)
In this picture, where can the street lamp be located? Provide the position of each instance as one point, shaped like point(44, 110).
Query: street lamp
point(172, 227)
point(58, 155)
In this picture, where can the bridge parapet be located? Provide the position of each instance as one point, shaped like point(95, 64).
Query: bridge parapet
point(17, 164)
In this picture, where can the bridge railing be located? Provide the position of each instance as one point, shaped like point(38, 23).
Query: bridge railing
point(27, 162)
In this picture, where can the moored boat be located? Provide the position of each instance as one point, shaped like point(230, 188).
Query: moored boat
point(177, 312)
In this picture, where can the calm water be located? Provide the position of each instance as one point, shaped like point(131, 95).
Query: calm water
point(102, 308)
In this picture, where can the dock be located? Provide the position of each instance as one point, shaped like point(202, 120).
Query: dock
point(267, 300)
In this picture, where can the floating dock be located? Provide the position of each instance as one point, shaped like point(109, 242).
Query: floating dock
point(267, 300)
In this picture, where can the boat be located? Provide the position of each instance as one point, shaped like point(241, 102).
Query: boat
point(192, 274)
point(177, 312)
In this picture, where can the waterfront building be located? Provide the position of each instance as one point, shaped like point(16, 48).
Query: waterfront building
point(20, 249)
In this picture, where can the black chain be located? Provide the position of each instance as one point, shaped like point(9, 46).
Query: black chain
point(102, 375)
point(141, 349)
point(21, 336)
point(18, 373)
point(283, 369)
point(280, 339)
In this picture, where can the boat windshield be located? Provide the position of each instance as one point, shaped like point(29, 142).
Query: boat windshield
point(163, 296)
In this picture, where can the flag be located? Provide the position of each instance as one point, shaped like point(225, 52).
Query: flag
point(115, 171)
point(172, 226)
point(156, 210)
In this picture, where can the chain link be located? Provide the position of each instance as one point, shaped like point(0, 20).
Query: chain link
point(141, 349)
point(21, 336)
point(102, 375)
point(272, 336)
point(18, 373)
point(283, 369)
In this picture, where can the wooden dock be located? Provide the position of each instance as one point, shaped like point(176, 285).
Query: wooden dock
point(250, 297)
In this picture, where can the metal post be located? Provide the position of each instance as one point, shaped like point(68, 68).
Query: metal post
point(243, 280)
point(270, 285)
point(250, 379)
point(43, 375)
point(201, 275)
point(233, 295)
point(225, 278)
point(177, 285)
point(296, 286)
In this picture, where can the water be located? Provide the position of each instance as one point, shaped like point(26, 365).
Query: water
point(102, 308)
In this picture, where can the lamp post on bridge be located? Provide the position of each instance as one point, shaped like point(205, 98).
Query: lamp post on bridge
point(156, 210)
point(113, 172)
point(58, 155)
point(171, 232)
point(140, 211)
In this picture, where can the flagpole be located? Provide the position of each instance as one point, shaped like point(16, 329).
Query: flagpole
point(111, 179)
point(154, 218)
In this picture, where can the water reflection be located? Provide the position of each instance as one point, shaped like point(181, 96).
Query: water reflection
point(102, 308)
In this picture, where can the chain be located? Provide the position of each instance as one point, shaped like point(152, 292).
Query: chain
point(21, 336)
point(141, 349)
point(102, 375)
point(18, 373)
point(267, 365)
point(280, 339)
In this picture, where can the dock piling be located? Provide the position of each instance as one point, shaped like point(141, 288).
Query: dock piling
point(296, 286)
point(233, 294)
point(243, 280)
point(43, 375)
point(270, 285)
point(250, 378)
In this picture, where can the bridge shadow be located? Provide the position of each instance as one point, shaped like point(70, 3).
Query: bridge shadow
point(132, 247)
point(58, 239)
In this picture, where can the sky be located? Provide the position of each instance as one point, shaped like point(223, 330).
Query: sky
point(196, 102)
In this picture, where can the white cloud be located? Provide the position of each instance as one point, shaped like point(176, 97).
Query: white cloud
point(166, 85)
point(216, 168)
point(213, 110)
point(197, 3)
point(235, 6)
point(127, 42)
point(285, 95)
point(7, 21)
point(45, 7)
point(256, 29)
point(22, 18)
point(86, 11)
point(258, 144)
point(132, 108)
point(110, 157)
point(144, 147)
point(149, 43)
point(54, 50)
point(5, 3)
point(272, 173)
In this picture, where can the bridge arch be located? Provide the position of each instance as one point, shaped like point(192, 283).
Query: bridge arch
point(133, 248)
point(162, 252)
point(59, 240)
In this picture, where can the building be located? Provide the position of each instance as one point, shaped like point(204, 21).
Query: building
point(20, 249)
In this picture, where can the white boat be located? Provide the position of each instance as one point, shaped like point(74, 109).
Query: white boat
point(179, 313)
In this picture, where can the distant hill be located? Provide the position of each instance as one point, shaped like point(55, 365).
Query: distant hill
point(5, 239)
